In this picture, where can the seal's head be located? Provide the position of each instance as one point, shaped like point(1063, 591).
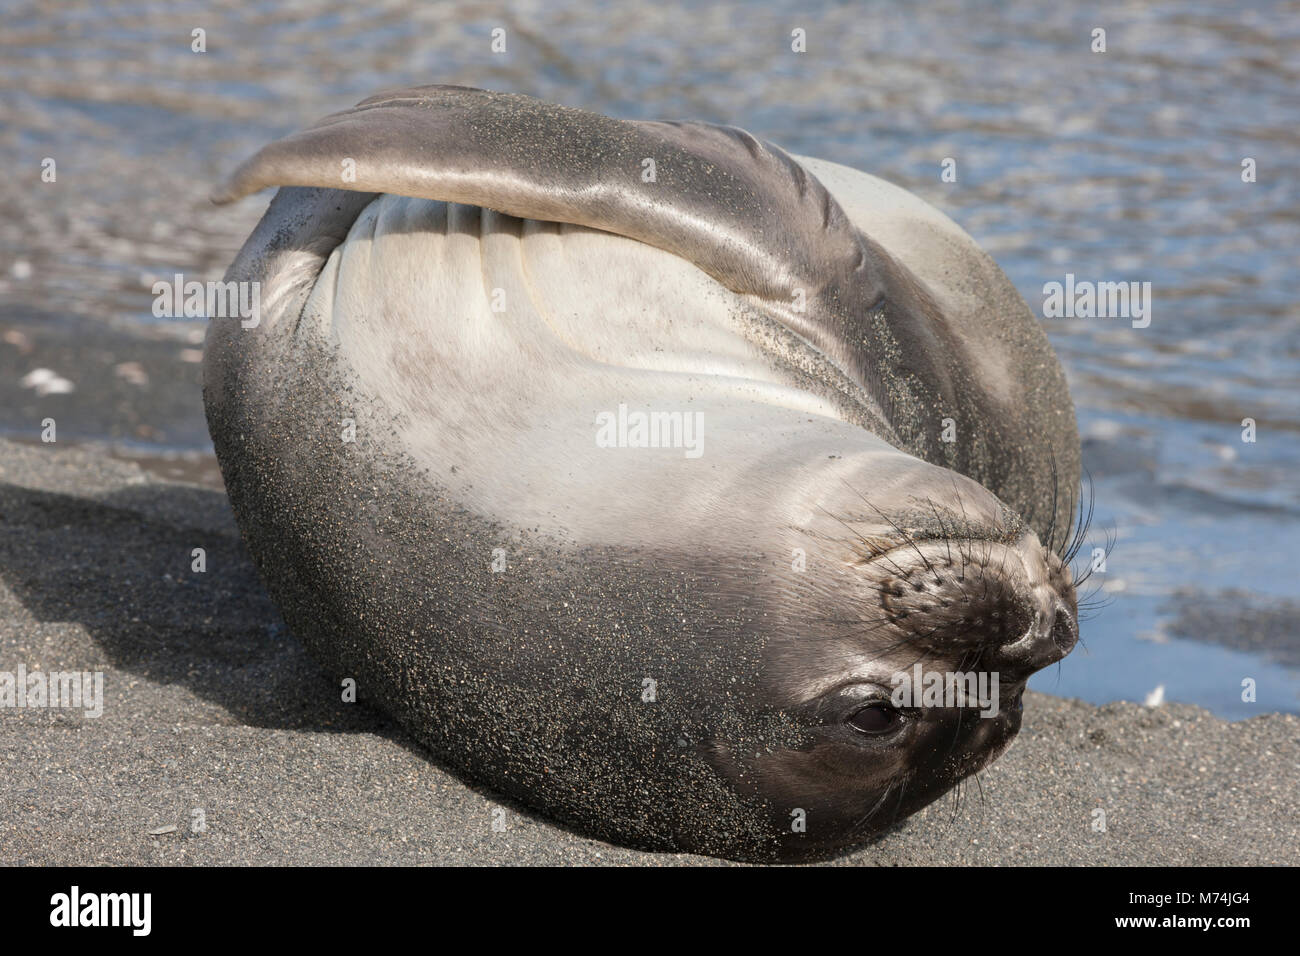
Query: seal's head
point(904, 662)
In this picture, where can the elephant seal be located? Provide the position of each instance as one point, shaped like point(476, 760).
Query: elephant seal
point(628, 465)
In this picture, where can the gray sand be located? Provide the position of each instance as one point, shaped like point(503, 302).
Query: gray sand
point(210, 705)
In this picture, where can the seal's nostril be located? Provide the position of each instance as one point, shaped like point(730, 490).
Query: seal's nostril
point(1065, 633)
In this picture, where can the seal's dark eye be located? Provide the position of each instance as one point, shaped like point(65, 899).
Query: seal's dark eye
point(876, 719)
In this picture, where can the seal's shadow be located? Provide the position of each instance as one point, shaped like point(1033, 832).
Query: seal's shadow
point(122, 567)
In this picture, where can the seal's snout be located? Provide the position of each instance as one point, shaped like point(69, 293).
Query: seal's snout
point(1011, 606)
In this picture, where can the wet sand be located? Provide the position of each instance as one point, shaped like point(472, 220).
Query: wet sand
point(210, 705)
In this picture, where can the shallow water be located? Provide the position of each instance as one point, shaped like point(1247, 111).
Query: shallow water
point(1115, 166)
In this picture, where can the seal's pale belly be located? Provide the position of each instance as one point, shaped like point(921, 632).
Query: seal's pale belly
point(502, 406)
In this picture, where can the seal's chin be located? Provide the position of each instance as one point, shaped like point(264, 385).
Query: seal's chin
point(995, 744)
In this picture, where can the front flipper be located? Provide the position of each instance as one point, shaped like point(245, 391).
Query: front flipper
point(741, 210)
